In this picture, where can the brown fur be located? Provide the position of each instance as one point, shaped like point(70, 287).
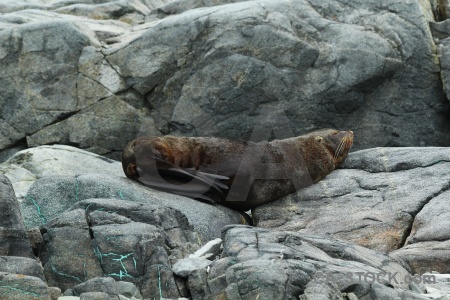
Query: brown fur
point(266, 171)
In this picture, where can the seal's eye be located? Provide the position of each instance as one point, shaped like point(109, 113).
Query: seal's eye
point(319, 139)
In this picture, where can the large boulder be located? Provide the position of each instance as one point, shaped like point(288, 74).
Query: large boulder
point(21, 275)
point(120, 69)
point(29, 165)
point(121, 239)
point(22, 287)
point(258, 263)
point(13, 236)
point(383, 198)
point(50, 196)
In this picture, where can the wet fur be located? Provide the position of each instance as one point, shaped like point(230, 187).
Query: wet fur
point(210, 165)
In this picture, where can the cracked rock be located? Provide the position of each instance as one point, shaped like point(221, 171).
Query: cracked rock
point(106, 285)
point(39, 63)
point(372, 201)
point(19, 286)
point(184, 267)
point(209, 251)
point(270, 264)
point(13, 236)
point(124, 240)
point(208, 68)
point(51, 196)
point(27, 166)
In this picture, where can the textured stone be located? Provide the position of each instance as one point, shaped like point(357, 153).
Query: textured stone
point(210, 250)
point(184, 267)
point(105, 285)
point(39, 71)
point(25, 167)
point(371, 201)
point(21, 265)
point(151, 71)
point(22, 287)
point(13, 236)
point(127, 289)
point(50, 196)
point(123, 240)
point(269, 264)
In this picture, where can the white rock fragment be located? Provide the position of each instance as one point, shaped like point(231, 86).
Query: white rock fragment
point(184, 267)
point(209, 250)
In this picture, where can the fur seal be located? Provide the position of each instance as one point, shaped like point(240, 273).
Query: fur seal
point(237, 174)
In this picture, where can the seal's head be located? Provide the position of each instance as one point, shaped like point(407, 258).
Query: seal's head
point(146, 154)
point(324, 150)
point(337, 142)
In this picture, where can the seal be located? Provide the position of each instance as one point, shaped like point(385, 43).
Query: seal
point(238, 174)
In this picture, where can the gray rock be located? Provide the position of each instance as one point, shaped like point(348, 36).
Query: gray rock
point(68, 292)
point(50, 196)
point(54, 292)
point(100, 285)
point(269, 264)
point(179, 6)
point(25, 167)
point(128, 290)
point(372, 201)
point(377, 291)
point(98, 128)
point(425, 256)
point(440, 286)
point(95, 30)
point(22, 287)
point(120, 239)
point(210, 250)
point(34, 81)
point(7, 153)
point(106, 11)
point(97, 296)
point(444, 55)
point(67, 254)
point(245, 72)
point(426, 247)
point(321, 291)
point(194, 67)
point(89, 5)
point(21, 265)
point(13, 236)
point(184, 267)
point(35, 238)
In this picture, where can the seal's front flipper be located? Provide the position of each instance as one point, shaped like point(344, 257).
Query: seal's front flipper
point(188, 183)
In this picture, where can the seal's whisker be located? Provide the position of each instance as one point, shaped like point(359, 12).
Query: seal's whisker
point(339, 148)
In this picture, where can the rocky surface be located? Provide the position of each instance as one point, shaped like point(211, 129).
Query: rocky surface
point(19, 286)
point(119, 239)
point(58, 160)
point(51, 196)
point(97, 74)
point(90, 231)
point(50, 179)
point(21, 276)
point(383, 198)
point(269, 264)
point(13, 236)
